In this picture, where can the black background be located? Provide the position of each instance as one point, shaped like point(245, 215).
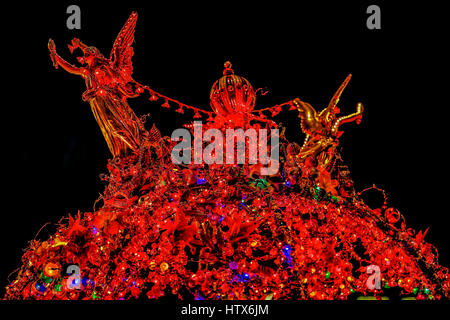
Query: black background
point(54, 151)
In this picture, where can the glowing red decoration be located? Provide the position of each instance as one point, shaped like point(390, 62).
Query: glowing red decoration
point(232, 97)
point(232, 94)
point(108, 83)
point(223, 232)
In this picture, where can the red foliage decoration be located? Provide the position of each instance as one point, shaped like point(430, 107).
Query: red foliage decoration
point(222, 231)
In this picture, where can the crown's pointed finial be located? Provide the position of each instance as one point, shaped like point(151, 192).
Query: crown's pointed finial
point(227, 71)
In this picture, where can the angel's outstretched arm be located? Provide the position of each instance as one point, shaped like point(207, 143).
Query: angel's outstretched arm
point(58, 61)
point(349, 118)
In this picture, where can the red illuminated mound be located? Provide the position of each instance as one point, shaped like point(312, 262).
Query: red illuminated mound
point(223, 232)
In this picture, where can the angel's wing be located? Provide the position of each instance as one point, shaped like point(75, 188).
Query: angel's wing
point(122, 52)
point(334, 101)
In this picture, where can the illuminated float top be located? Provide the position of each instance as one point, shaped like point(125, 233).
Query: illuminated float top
point(222, 232)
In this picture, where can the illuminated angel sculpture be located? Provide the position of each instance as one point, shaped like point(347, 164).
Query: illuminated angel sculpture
point(109, 84)
point(322, 129)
